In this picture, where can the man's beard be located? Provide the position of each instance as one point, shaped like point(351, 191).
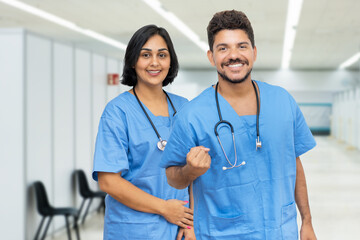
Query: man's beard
point(231, 61)
point(226, 78)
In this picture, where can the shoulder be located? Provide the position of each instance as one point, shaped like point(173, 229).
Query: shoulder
point(117, 107)
point(278, 98)
point(275, 93)
point(269, 88)
point(177, 99)
point(199, 104)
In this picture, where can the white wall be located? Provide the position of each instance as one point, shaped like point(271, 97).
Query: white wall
point(83, 114)
point(12, 137)
point(63, 120)
point(113, 66)
point(39, 124)
point(52, 95)
point(99, 90)
point(83, 103)
point(357, 97)
point(346, 117)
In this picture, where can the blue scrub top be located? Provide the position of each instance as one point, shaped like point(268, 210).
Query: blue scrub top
point(126, 143)
point(254, 201)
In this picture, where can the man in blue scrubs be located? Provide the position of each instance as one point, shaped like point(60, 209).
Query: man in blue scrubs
point(246, 185)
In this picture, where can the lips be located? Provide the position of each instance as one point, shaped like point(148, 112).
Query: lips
point(154, 72)
point(235, 63)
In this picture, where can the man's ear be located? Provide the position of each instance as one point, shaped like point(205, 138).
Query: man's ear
point(210, 57)
point(255, 53)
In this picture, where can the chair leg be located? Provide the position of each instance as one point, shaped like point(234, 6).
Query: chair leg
point(39, 229)
point(101, 205)
point(76, 227)
point(86, 212)
point(46, 228)
point(68, 227)
point(81, 207)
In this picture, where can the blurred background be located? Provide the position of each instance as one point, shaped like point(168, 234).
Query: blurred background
point(59, 66)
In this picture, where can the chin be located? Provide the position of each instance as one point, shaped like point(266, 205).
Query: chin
point(235, 79)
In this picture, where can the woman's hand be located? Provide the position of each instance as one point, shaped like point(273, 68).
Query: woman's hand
point(187, 233)
point(175, 212)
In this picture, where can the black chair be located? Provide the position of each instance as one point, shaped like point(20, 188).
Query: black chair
point(46, 210)
point(87, 193)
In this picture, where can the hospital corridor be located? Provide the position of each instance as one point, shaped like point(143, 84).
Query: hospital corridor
point(99, 98)
point(333, 178)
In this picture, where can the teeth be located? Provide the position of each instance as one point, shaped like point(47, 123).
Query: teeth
point(235, 65)
point(154, 71)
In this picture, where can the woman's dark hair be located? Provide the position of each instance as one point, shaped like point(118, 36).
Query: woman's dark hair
point(229, 20)
point(133, 49)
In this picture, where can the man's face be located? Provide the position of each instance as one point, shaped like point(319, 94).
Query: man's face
point(232, 55)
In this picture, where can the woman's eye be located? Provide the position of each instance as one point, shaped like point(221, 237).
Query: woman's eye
point(162, 55)
point(146, 55)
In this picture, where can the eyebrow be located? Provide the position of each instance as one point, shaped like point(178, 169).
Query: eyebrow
point(160, 49)
point(225, 44)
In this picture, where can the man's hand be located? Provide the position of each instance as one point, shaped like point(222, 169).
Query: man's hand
point(307, 232)
point(198, 161)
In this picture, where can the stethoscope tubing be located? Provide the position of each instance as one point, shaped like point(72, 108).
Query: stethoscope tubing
point(147, 115)
point(221, 121)
point(227, 122)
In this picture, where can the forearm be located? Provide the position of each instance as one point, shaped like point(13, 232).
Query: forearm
point(188, 233)
point(191, 195)
point(179, 176)
point(130, 195)
point(301, 194)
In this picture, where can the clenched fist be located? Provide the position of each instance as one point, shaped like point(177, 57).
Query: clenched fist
point(198, 161)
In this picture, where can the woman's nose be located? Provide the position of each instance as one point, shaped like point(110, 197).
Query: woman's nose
point(154, 61)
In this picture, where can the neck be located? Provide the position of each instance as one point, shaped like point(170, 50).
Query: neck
point(235, 90)
point(146, 93)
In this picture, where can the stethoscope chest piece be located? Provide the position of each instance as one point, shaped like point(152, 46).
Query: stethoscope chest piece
point(161, 144)
point(258, 143)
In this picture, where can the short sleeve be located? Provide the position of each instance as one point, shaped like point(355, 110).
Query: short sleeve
point(181, 140)
point(111, 145)
point(303, 138)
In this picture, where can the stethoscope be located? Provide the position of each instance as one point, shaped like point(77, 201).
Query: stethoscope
point(258, 142)
point(161, 143)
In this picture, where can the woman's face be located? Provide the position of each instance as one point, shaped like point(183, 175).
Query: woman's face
point(153, 63)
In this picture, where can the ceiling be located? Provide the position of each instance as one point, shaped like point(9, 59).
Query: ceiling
point(328, 32)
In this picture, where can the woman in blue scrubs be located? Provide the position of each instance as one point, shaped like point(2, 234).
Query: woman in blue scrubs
point(132, 134)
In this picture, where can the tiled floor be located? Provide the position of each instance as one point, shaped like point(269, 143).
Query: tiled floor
point(333, 176)
point(92, 229)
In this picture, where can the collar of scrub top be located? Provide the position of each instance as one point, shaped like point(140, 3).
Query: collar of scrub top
point(221, 121)
point(161, 143)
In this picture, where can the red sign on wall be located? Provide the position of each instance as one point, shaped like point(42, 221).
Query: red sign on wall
point(113, 79)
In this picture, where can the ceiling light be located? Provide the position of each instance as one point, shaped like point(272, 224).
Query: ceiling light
point(177, 23)
point(65, 23)
point(292, 20)
point(350, 61)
